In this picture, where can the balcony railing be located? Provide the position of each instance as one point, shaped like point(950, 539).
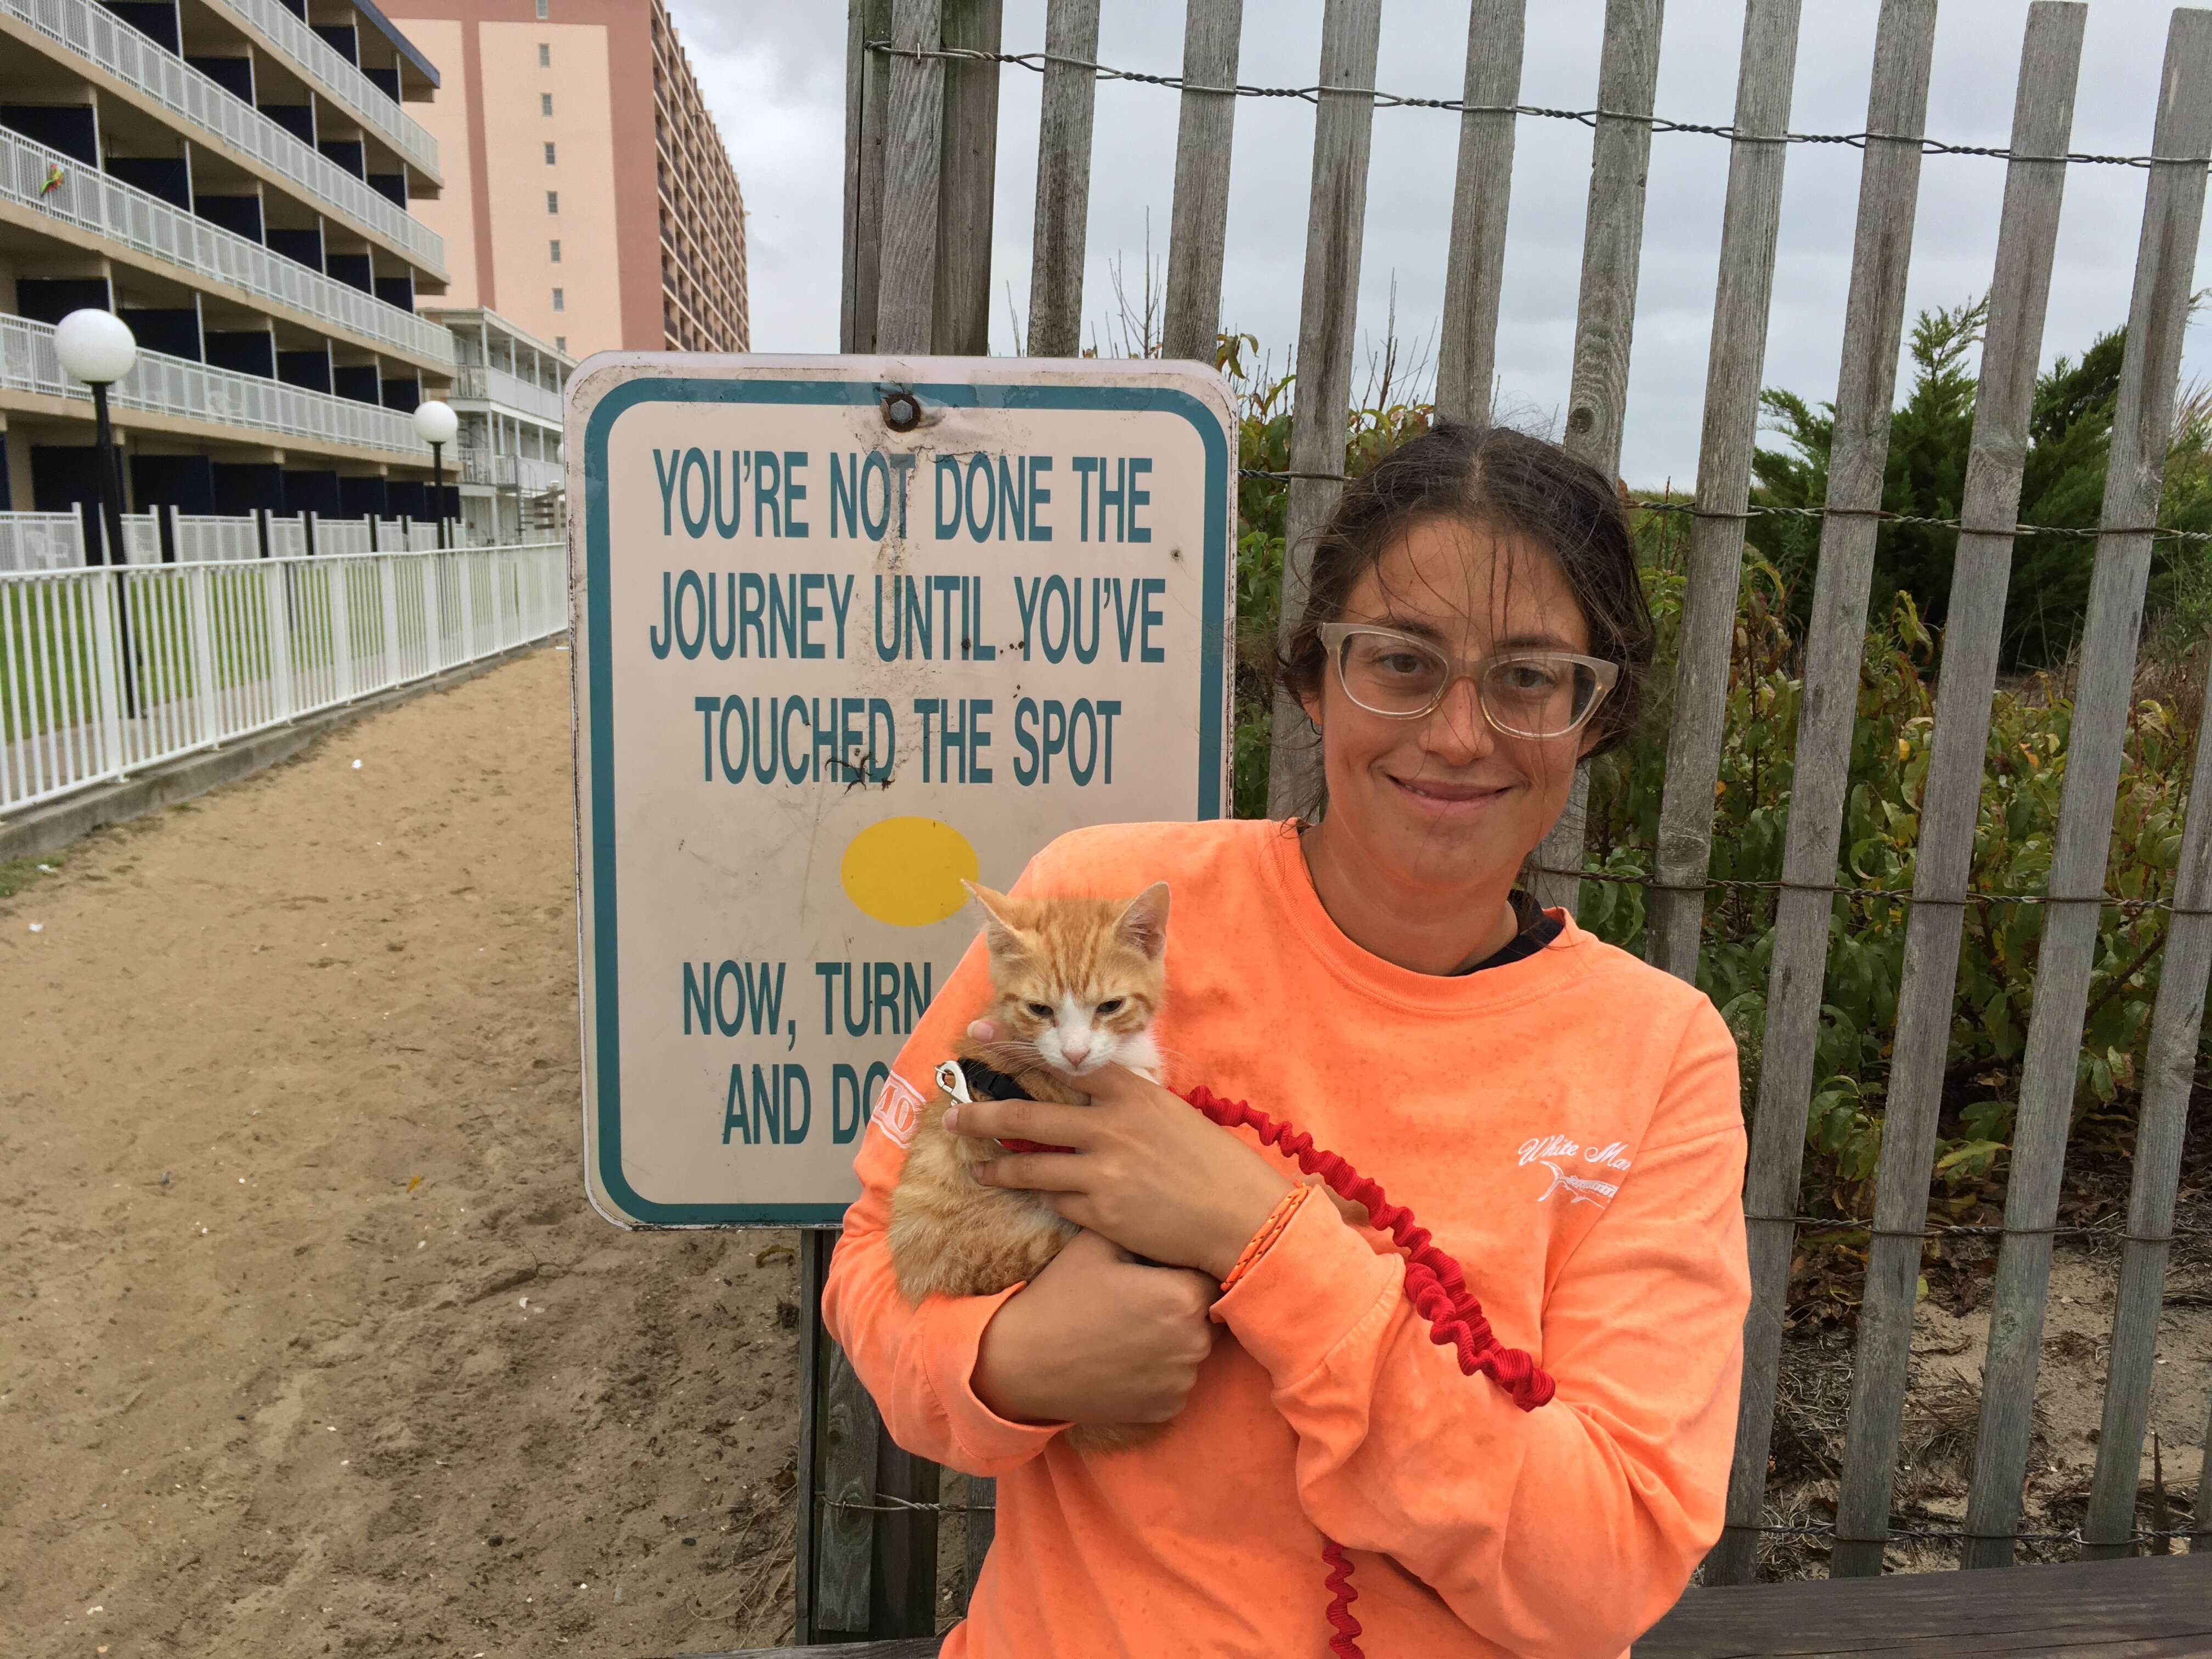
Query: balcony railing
point(162, 385)
point(318, 60)
point(510, 471)
point(94, 35)
point(110, 208)
point(481, 383)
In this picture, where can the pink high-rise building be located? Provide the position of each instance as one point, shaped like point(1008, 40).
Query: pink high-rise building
point(588, 198)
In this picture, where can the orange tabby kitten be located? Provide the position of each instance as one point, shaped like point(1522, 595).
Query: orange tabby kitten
point(1075, 984)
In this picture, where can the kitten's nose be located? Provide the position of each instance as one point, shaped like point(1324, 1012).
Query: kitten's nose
point(1075, 1047)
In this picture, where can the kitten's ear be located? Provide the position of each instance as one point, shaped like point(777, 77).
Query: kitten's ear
point(1145, 922)
point(1005, 938)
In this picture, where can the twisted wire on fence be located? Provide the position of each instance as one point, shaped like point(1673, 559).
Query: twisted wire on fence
point(1037, 62)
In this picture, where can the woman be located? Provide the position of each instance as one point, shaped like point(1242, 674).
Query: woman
point(1562, 1117)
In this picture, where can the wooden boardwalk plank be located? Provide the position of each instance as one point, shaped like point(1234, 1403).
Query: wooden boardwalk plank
point(2155, 1609)
point(2142, 423)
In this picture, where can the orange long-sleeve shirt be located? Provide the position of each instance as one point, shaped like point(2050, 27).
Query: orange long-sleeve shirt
point(1568, 1126)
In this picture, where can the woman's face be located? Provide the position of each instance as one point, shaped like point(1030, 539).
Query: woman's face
point(1448, 799)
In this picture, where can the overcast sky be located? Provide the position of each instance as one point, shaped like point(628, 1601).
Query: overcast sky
point(774, 73)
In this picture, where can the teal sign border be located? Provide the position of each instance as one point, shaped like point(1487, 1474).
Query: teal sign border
point(606, 977)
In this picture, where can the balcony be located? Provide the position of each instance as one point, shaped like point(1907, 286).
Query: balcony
point(480, 383)
point(317, 61)
point(221, 118)
point(106, 207)
point(184, 390)
point(530, 477)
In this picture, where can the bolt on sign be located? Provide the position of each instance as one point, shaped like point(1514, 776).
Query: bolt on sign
point(848, 630)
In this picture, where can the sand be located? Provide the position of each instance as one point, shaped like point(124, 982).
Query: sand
point(313, 1344)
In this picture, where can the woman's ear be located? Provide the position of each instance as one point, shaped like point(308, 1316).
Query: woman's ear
point(1144, 923)
point(1005, 938)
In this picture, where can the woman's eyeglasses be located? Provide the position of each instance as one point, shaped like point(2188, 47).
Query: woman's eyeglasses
point(1524, 693)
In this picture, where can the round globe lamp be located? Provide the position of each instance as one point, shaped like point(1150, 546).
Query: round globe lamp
point(435, 423)
point(98, 347)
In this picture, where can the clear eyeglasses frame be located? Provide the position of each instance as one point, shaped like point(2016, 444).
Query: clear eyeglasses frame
point(1523, 694)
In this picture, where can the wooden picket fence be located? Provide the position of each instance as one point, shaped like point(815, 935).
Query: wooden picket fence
point(922, 83)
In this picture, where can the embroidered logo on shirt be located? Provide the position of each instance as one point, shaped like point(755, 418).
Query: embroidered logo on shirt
point(1577, 1170)
point(898, 1109)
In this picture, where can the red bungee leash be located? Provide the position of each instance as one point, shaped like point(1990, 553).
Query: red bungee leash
point(1433, 1281)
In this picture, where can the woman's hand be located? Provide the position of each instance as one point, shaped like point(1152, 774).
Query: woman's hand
point(1145, 1171)
point(1096, 1338)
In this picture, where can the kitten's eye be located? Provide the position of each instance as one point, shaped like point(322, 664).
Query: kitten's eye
point(1042, 1009)
point(1112, 1005)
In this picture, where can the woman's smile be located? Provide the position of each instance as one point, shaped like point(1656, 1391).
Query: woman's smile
point(1452, 801)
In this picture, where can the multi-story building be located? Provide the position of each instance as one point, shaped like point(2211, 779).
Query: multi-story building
point(237, 179)
point(507, 391)
point(588, 197)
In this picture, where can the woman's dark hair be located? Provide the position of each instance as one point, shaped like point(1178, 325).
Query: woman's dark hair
point(1494, 475)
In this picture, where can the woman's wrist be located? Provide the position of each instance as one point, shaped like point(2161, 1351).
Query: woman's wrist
point(1242, 1221)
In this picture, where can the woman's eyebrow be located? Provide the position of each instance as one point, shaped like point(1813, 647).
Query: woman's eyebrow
point(1533, 642)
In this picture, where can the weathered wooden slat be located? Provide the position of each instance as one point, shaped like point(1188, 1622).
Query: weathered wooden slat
point(1605, 318)
point(845, 1438)
point(902, 1588)
point(2170, 1065)
point(967, 180)
point(1889, 185)
point(1734, 360)
point(983, 1526)
point(2155, 1609)
point(1351, 35)
point(1466, 358)
point(867, 87)
point(1199, 227)
point(906, 292)
point(1063, 181)
point(1738, 354)
point(814, 1244)
point(2173, 212)
point(2043, 114)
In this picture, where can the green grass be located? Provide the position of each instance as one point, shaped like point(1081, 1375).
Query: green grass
point(20, 875)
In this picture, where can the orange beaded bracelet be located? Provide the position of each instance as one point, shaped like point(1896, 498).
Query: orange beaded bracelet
point(1278, 1219)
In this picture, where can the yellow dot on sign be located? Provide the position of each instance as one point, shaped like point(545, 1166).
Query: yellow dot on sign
point(908, 871)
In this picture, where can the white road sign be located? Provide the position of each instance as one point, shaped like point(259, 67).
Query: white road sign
point(848, 629)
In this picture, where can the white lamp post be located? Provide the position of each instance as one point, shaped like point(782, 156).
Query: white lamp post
point(98, 347)
point(435, 423)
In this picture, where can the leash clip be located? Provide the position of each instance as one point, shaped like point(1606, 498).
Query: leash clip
point(954, 1082)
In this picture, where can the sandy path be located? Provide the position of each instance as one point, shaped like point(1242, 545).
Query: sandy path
point(367, 1376)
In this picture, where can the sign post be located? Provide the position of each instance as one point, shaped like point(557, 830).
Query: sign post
point(847, 631)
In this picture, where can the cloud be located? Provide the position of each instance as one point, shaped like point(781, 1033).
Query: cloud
point(774, 76)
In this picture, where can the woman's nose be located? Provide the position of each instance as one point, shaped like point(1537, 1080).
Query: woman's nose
point(1456, 730)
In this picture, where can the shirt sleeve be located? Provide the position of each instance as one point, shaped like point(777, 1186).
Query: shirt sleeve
point(1564, 1531)
point(919, 1363)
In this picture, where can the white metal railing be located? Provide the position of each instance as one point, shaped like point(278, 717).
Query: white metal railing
point(318, 60)
point(55, 541)
point(162, 385)
point(105, 672)
point(481, 383)
point(510, 471)
point(95, 35)
point(88, 198)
